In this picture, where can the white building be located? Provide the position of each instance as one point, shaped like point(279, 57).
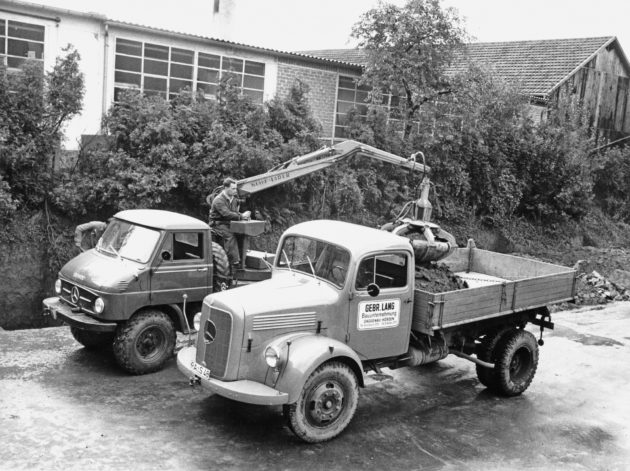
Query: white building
point(116, 55)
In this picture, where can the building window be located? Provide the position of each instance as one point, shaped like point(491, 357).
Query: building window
point(20, 42)
point(166, 71)
point(352, 96)
point(249, 76)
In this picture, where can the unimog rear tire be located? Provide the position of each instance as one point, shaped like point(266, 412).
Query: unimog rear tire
point(92, 340)
point(326, 404)
point(516, 361)
point(221, 279)
point(145, 342)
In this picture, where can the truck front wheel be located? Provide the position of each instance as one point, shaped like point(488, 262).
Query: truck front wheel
point(144, 343)
point(92, 340)
point(516, 360)
point(326, 404)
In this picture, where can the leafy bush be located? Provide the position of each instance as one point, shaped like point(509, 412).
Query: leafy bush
point(172, 154)
point(611, 171)
point(486, 155)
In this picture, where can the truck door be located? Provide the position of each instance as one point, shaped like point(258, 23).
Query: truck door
point(181, 267)
point(379, 326)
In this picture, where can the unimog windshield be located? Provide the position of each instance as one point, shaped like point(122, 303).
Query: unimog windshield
point(315, 257)
point(127, 240)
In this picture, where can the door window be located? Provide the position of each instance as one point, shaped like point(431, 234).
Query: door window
point(387, 271)
point(187, 245)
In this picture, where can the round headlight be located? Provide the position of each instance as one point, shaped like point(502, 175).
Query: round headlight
point(272, 357)
point(99, 305)
point(197, 321)
point(58, 286)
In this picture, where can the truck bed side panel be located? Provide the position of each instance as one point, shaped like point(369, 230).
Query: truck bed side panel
point(527, 284)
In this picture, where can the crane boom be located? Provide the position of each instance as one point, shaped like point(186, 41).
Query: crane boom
point(319, 160)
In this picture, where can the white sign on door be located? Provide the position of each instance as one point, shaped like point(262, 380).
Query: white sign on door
point(380, 314)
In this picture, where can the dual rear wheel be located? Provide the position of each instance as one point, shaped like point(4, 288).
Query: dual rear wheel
point(514, 353)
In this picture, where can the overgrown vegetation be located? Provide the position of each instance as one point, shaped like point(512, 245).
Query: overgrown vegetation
point(488, 159)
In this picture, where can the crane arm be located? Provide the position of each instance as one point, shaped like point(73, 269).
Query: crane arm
point(319, 160)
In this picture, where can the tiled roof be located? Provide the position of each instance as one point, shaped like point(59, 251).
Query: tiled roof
point(538, 66)
point(356, 57)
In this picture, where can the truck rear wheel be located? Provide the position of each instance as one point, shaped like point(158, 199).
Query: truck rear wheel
point(221, 273)
point(485, 352)
point(516, 361)
point(92, 340)
point(144, 343)
point(326, 404)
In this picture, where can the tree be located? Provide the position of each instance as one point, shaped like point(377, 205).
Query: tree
point(34, 108)
point(408, 51)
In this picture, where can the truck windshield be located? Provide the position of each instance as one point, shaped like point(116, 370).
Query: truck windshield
point(129, 241)
point(327, 261)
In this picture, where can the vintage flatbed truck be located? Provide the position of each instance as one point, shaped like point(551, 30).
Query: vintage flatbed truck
point(342, 302)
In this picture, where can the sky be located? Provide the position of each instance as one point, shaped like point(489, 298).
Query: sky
point(297, 25)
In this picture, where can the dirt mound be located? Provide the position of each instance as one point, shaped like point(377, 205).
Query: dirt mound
point(437, 279)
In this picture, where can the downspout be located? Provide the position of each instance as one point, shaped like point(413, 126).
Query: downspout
point(105, 70)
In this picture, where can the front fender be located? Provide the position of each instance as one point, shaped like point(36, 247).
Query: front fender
point(307, 352)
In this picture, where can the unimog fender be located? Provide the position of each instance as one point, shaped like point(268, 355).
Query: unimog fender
point(304, 353)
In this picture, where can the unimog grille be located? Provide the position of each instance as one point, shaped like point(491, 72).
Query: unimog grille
point(217, 336)
point(78, 296)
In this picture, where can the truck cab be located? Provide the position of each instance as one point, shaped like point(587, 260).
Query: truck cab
point(136, 288)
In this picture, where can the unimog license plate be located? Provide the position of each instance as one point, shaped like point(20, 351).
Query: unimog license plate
point(200, 370)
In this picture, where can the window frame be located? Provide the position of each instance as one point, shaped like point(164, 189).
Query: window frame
point(207, 69)
point(6, 37)
point(375, 256)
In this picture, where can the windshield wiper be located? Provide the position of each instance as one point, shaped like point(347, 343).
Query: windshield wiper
point(311, 265)
point(113, 250)
point(287, 259)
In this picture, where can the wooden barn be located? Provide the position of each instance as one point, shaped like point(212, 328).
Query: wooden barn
point(595, 70)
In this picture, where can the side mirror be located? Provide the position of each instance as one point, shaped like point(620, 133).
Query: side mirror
point(373, 289)
point(166, 255)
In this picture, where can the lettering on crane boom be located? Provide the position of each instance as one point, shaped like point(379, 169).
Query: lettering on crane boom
point(271, 179)
point(381, 314)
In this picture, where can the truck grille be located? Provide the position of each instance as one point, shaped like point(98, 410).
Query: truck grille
point(78, 296)
point(217, 336)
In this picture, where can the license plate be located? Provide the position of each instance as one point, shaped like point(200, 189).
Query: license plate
point(199, 370)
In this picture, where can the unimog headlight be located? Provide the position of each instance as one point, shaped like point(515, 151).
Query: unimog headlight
point(272, 357)
point(58, 286)
point(197, 321)
point(99, 305)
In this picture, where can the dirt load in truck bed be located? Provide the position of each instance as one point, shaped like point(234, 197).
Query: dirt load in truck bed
point(437, 279)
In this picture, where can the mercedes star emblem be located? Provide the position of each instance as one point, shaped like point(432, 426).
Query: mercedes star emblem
point(210, 333)
point(74, 295)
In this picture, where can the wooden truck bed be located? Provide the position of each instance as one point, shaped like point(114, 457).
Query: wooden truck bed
point(499, 285)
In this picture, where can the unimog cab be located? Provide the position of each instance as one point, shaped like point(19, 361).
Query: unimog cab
point(139, 285)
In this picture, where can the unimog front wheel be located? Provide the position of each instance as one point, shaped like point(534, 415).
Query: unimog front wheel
point(516, 361)
point(326, 404)
point(221, 279)
point(144, 343)
point(92, 340)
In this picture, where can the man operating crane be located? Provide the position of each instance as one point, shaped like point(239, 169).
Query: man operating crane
point(224, 209)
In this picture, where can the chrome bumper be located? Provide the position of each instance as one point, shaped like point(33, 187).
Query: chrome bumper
point(243, 390)
point(59, 310)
